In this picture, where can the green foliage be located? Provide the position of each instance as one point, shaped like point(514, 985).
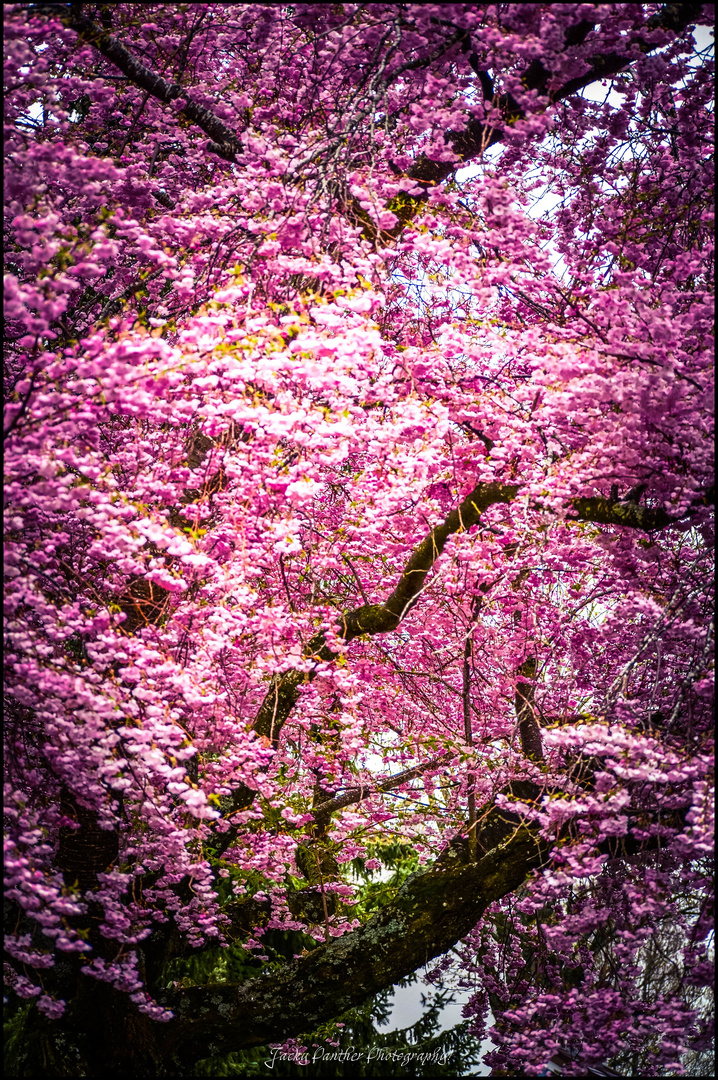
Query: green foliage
point(208, 966)
point(33, 1046)
point(357, 1048)
point(15, 1014)
point(375, 893)
point(234, 964)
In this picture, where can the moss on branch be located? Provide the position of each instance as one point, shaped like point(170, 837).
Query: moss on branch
point(433, 910)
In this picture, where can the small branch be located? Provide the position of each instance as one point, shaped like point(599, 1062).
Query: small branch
point(18, 415)
point(114, 305)
point(356, 578)
point(358, 794)
point(529, 730)
point(286, 584)
point(468, 734)
point(135, 118)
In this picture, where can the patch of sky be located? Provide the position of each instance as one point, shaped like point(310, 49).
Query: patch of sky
point(544, 200)
point(411, 1000)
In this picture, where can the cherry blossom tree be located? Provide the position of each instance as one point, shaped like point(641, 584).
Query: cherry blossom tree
point(358, 502)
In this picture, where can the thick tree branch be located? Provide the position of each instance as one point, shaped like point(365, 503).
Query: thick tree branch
point(604, 512)
point(467, 143)
point(433, 910)
point(224, 141)
point(674, 17)
point(283, 693)
point(528, 725)
point(380, 618)
point(372, 619)
point(357, 794)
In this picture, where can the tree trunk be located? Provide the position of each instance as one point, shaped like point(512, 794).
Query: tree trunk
point(102, 1033)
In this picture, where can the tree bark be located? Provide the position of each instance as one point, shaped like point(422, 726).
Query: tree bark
point(432, 911)
point(225, 143)
point(529, 730)
point(476, 137)
point(469, 143)
point(103, 1033)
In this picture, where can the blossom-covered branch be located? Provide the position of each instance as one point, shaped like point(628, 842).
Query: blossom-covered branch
point(383, 618)
point(225, 142)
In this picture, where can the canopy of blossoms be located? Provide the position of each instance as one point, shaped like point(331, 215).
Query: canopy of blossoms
point(359, 491)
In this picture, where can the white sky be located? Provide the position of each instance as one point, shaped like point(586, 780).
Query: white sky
point(407, 1009)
